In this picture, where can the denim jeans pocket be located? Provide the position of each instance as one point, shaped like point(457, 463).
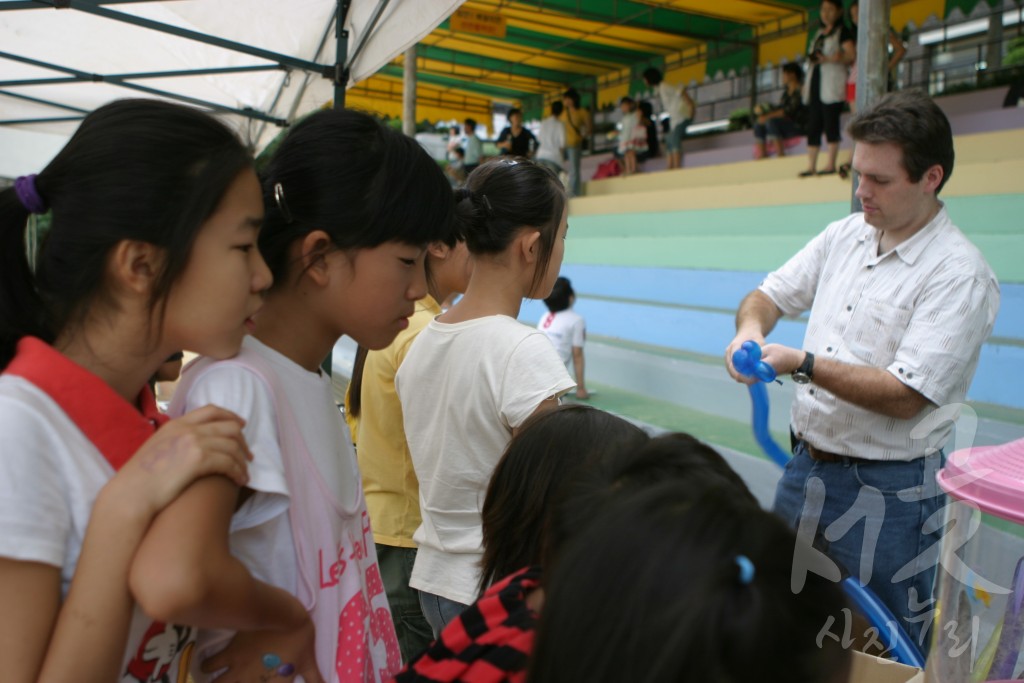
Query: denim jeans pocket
point(890, 477)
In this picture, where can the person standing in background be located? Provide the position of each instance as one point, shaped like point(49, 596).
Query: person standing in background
point(577, 129)
point(515, 140)
point(679, 106)
point(832, 49)
point(552, 139)
point(472, 147)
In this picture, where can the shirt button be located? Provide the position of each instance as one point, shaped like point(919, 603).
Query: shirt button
point(829, 349)
point(910, 375)
point(901, 371)
point(870, 267)
point(800, 434)
point(811, 392)
point(849, 308)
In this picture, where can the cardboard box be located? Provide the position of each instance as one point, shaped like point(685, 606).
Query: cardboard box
point(870, 669)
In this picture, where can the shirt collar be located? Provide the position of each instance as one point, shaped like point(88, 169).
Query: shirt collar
point(909, 250)
point(113, 425)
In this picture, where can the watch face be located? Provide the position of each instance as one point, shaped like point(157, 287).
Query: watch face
point(801, 378)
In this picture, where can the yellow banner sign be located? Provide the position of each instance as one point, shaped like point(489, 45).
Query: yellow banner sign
point(482, 23)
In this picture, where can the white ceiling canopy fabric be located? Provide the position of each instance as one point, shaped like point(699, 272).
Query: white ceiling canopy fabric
point(58, 64)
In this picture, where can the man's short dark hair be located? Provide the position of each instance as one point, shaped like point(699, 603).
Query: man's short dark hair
point(470, 123)
point(573, 95)
point(911, 120)
point(512, 112)
point(652, 75)
point(557, 108)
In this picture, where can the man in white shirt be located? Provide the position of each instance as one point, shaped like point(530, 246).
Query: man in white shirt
point(679, 106)
point(551, 141)
point(900, 303)
point(472, 147)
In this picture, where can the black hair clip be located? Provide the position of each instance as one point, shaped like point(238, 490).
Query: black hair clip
point(487, 205)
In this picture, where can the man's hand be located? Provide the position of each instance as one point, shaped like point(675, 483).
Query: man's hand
point(736, 343)
point(785, 359)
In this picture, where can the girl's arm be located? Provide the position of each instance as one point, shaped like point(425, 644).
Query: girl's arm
point(85, 639)
point(578, 364)
point(184, 572)
point(30, 592)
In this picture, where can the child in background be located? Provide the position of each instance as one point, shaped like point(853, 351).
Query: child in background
point(351, 206)
point(389, 481)
point(475, 374)
point(663, 584)
point(567, 331)
point(632, 137)
point(153, 206)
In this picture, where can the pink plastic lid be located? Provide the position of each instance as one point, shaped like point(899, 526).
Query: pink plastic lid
point(992, 477)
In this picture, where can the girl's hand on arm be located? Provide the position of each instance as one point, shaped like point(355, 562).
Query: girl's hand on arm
point(203, 442)
point(91, 631)
point(242, 659)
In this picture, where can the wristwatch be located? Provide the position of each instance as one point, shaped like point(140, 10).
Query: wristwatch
point(805, 373)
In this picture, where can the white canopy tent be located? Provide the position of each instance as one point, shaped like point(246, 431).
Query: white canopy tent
point(258, 63)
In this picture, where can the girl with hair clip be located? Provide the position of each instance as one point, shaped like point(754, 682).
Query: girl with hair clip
point(475, 374)
point(351, 206)
point(152, 206)
point(667, 584)
point(389, 481)
point(561, 453)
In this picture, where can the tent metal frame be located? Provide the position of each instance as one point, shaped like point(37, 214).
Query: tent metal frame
point(338, 72)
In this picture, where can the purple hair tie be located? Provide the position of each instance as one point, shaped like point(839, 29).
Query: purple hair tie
point(25, 188)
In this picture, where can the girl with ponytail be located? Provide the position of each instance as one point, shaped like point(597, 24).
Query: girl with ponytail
point(153, 207)
point(475, 374)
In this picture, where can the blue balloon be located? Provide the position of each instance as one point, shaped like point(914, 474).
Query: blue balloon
point(898, 644)
point(747, 361)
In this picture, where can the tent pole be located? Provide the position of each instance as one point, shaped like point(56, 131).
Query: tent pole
point(195, 101)
point(94, 7)
point(341, 55)
point(872, 63)
point(39, 100)
point(409, 92)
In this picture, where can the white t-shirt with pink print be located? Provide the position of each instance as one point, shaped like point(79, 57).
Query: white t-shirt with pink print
point(306, 529)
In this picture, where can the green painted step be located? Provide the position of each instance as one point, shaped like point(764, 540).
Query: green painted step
point(710, 428)
point(762, 238)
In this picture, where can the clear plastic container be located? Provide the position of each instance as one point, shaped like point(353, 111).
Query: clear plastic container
point(978, 628)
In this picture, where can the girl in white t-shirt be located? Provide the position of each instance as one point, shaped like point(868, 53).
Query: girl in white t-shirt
point(567, 330)
point(351, 206)
point(475, 374)
point(152, 206)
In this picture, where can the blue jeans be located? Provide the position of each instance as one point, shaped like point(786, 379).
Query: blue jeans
point(840, 501)
point(674, 141)
point(439, 611)
point(413, 629)
point(574, 154)
point(779, 128)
